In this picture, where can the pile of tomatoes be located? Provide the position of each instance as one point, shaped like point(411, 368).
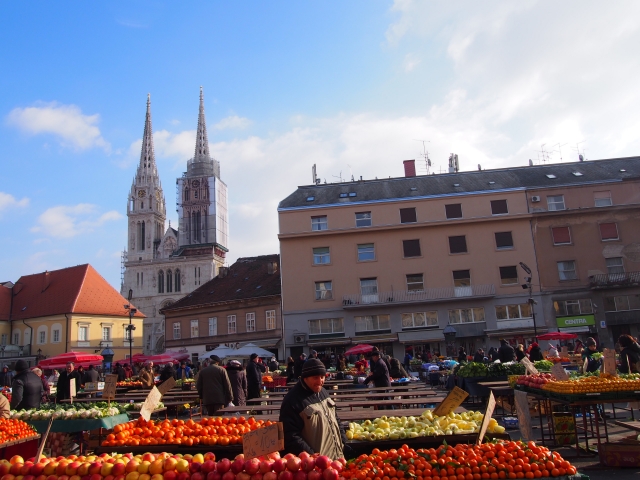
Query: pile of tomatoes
point(11, 430)
point(489, 461)
point(207, 431)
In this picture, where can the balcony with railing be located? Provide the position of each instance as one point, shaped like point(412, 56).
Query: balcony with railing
point(615, 280)
point(426, 295)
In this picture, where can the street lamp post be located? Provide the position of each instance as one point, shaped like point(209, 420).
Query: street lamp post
point(528, 286)
point(130, 327)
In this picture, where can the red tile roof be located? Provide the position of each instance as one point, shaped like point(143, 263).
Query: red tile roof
point(5, 302)
point(79, 289)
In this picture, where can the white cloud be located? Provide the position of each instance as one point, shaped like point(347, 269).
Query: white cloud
point(8, 201)
point(67, 122)
point(411, 61)
point(233, 122)
point(70, 221)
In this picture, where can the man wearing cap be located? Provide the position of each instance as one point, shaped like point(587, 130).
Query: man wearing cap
point(255, 369)
point(63, 391)
point(506, 353)
point(146, 375)
point(379, 371)
point(297, 366)
point(214, 387)
point(309, 418)
point(5, 377)
point(26, 388)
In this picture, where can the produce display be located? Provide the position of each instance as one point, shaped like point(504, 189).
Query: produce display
point(69, 412)
point(478, 369)
point(598, 383)
point(469, 462)
point(12, 430)
point(543, 365)
point(535, 381)
point(426, 425)
point(129, 383)
point(207, 431)
point(186, 381)
point(136, 407)
point(558, 359)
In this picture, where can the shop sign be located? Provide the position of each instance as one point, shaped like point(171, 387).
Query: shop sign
point(576, 321)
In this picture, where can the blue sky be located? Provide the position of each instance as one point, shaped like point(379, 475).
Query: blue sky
point(349, 86)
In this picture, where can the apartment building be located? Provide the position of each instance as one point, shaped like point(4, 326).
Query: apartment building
point(586, 228)
point(241, 305)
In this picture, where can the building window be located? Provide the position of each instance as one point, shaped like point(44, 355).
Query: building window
point(573, 307)
point(42, 337)
point(458, 244)
point(319, 223)
point(461, 278)
point(106, 334)
point(504, 240)
point(415, 282)
point(326, 326)
point(176, 331)
point(567, 270)
point(420, 319)
point(83, 334)
point(169, 281)
point(194, 329)
point(408, 215)
point(55, 336)
point(127, 333)
point(16, 338)
point(363, 219)
point(321, 256)
point(271, 319)
point(453, 211)
point(177, 275)
point(561, 235)
point(622, 303)
point(466, 315)
point(411, 248)
point(251, 322)
point(231, 324)
point(369, 286)
point(141, 235)
point(602, 199)
point(366, 252)
point(555, 202)
point(609, 231)
point(3, 340)
point(213, 326)
point(513, 312)
point(160, 281)
point(508, 275)
point(499, 207)
point(615, 265)
point(323, 291)
point(370, 323)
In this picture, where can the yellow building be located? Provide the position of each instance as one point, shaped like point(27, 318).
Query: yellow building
point(72, 309)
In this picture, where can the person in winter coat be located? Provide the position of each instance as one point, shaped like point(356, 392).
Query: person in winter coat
point(273, 364)
point(63, 391)
point(45, 384)
point(493, 354)
point(122, 375)
point(26, 388)
point(379, 371)
point(167, 372)
point(255, 369)
point(520, 352)
point(91, 375)
point(5, 408)
point(146, 375)
point(309, 418)
point(629, 355)
point(479, 356)
point(183, 371)
point(214, 387)
point(407, 360)
point(396, 369)
point(128, 371)
point(342, 363)
point(5, 377)
point(553, 351)
point(297, 369)
point(462, 355)
point(290, 369)
point(535, 354)
point(579, 347)
point(238, 379)
point(593, 365)
point(505, 352)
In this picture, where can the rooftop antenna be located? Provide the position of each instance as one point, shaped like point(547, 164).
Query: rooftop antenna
point(340, 177)
point(313, 174)
point(351, 172)
point(544, 154)
point(425, 154)
point(560, 149)
point(581, 156)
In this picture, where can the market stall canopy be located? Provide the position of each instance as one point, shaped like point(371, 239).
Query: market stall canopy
point(557, 336)
point(80, 359)
point(358, 349)
point(221, 351)
point(248, 349)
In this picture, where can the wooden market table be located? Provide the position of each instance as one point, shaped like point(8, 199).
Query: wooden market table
point(25, 447)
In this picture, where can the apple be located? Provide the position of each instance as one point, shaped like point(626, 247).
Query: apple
point(37, 469)
point(61, 477)
point(106, 469)
point(5, 466)
point(274, 455)
point(72, 468)
point(182, 466)
point(144, 476)
point(223, 466)
point(16, 468)
point(30, 477)
point(183, 476)
point(330, 474)
point(195, 467)
point(323, 462)
point(73, 477)
point(9, 476)
point(118, 469)
point(197, 476)
point(314, 475)
point(208, 466)
point(336, 465)
point(25, 470)
point(170, 475)
point(229, 476)
point(157, 476)
point(270, 476)
point(170, 464)
point(55, 477)
point(132, 466)
point(94, 476)
point(210, 456)
point(285, 475)
point(214, 475)
point(308, 463)
point(16, 459)
point(279, 465)
point(237, 466)
point(132, 475)
point(265, 466)
point(252, 466)
point(300, 475)
point(143, 468)
point(243, 476)
point(257, 476)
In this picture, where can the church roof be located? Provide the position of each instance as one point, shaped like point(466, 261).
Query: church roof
point(80, 289)
point(248, 278)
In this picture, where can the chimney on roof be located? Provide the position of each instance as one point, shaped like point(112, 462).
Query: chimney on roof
point(409, 168)
point(222, 272)
point(530, 163)
point(46, 280)
point(272, 267)
point(581, 158)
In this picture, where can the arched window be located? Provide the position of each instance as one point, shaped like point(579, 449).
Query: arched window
point(198, 229)
point(160, 281)
point(141, 234)
point(169, 281)
point(177, 289)
point(186, 194)
point(195, 194)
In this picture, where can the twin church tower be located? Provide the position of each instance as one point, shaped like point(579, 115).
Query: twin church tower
point(161, 266)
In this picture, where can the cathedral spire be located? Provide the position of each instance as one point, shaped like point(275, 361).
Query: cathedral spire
point(147, 156)
point(202, 142)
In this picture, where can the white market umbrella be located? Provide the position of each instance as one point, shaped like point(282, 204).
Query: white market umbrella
point(250, 348)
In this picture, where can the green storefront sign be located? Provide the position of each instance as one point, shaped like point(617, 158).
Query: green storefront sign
point(576, 321)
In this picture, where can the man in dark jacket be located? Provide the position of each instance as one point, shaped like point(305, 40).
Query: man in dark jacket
point(379, 371)
point(297, 367)
point(64, 390)
point(506, 352)
point(255, 369)
point(26, 388)
point(91, 375)
point(629, 355)
point(6, 377)
point(309, 418)
point(479, 356)
point(214, 387)
point(535, 354)
point(238, 379)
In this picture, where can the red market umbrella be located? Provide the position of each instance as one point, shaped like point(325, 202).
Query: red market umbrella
point(137, 358)
point(80, 359)
point(358, 349)
point(167, 357)
point(557, 336)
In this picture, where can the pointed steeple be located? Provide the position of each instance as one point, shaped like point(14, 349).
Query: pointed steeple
point(202, 142)
point(147, 155)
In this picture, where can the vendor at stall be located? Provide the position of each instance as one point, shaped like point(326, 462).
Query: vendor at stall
point(64, 382)
point(629, 355)
point(308, 416)
point(146, 375)
point(26, 389)
point(5, 409)
point(593, 364)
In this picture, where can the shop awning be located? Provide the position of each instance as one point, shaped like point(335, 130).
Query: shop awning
point(421, 336)
point(515, 332)
point(375, 338)
point(267, 343)
point(329, 341)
